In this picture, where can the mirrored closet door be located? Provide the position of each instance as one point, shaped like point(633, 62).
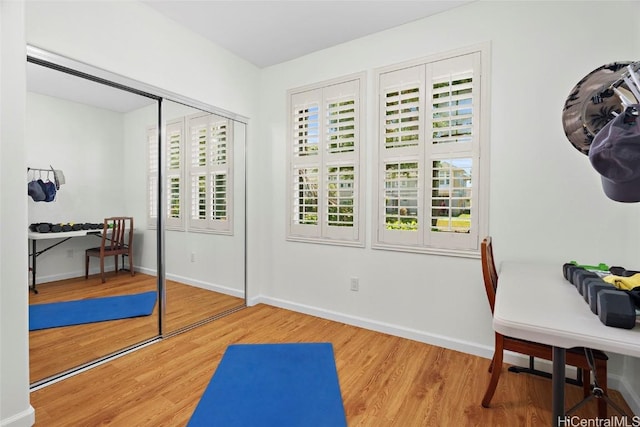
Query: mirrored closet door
point(205, 215)
point(121, 148)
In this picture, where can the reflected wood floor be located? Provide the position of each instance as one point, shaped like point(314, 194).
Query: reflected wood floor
point(385, 380)
point(56, 350)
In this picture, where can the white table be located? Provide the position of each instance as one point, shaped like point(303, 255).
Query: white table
point(62, 236)
point(535, 302)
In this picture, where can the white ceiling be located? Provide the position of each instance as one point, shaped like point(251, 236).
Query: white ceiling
point(269, 32)
point(58, 84)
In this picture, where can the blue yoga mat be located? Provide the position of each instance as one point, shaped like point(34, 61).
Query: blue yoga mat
point(67, 313)
point(279, 385)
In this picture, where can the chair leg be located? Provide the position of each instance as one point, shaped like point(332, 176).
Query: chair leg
point(586, 382)
point(86, 267)
point(491, 364)
point(496, 365)
point(102, 269)
point(601, 372)
point(130, 256)
point(115, 262)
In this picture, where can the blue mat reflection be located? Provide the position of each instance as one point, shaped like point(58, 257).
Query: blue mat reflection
point(67, 313)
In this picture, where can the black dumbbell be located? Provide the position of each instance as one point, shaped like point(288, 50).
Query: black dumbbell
point(583, 287)
point(578, 273)
point(565, 269)
point(616, 309)
point(43, 227)
point(592, 293)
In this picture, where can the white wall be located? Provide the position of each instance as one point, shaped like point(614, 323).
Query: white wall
point(546, 202)
point(135, 124)
point(15, 410)
point(87, 144)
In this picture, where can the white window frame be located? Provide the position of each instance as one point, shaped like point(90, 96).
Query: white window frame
point(152, 177)
point(210, 224)
point(419, 73)
point(170, 172)
point(338, 173)
point(174, 172)
point(184, 171)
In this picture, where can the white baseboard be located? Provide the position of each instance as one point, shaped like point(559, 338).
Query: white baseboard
point(55, 277)
point(387, 328)
point(69, 275)
point(208, 286)
point(614, 382)
point(198, 283)
point(25, 418)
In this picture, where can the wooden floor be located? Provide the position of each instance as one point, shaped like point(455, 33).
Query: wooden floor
point(57, 350)
point(385, 380)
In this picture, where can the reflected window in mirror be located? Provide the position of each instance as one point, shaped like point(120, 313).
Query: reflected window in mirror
point(199, 188)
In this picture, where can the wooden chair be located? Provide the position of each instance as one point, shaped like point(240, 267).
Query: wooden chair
point(574, 357)
point(117, 239)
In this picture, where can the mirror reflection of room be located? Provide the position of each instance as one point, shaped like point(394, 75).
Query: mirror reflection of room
point(83, 130)
point(103, 143)
point(204, 224)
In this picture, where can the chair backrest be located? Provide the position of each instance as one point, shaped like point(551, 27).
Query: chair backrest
point(489, 272)
point(118, 235)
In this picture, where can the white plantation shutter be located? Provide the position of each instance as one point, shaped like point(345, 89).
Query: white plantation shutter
point(340, 196)
point(152, 176)
point(429, 155)
point(210, 157)
point(453, 151)
point(219, 196)
point(174, 137)
point(402, 111)
point(401, 147)
point(173, 170)
point(306, 164)
point(324, 157)
point(401, 201)
point(341, 133)
point(305, 196)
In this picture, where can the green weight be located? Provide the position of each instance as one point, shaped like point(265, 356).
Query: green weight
point(599, 267)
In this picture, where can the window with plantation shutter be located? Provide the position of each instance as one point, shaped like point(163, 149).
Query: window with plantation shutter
point(152, 180)
point(210, 157)
point(197, 174)
point(173, 172)
point(431, 180)
point(324, 194)
point(173, 175)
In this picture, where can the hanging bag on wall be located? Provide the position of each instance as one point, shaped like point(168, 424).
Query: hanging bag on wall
point(35, 190)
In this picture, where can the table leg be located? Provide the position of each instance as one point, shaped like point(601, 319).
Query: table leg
point(33, 266)
point(557, 384)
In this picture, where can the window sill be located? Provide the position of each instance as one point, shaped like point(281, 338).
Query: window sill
point(462, 253)
point(326, 241)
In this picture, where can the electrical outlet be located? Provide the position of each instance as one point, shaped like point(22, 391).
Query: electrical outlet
point(355, 284)
point(193, 257)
